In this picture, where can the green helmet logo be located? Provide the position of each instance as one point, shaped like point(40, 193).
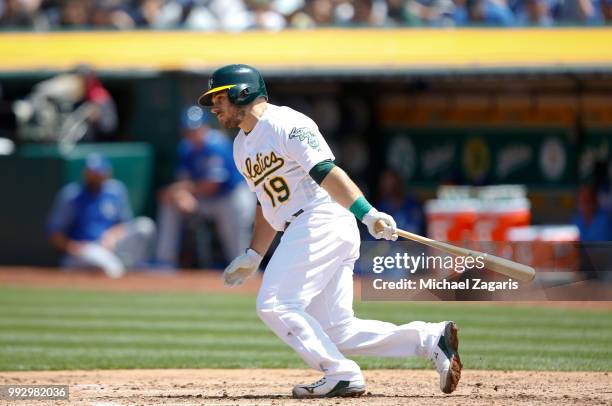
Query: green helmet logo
point(242, 82)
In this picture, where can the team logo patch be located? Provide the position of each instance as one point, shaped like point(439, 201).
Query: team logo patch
point(305, 133)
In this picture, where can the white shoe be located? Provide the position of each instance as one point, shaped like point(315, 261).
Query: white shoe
point(446, 358)
point(328, 388)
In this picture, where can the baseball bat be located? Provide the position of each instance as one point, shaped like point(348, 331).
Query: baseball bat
point(494, 263)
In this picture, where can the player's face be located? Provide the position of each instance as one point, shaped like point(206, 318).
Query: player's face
point(195, 135)
point(229, 115)
point(94, 180)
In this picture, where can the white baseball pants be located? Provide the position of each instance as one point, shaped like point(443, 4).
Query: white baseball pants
point(306, 298)
point(133, 248)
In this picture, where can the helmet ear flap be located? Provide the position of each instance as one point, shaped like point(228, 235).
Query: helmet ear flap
point(239, 94)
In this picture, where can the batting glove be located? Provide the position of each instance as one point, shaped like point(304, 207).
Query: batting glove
point(389, 229)
point(241, 268)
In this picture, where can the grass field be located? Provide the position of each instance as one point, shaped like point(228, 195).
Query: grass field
point(70, 329)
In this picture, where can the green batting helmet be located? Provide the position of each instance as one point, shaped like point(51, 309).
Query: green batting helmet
point(242, 82)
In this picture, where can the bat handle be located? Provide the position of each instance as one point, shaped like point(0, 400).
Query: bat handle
point(379, 226)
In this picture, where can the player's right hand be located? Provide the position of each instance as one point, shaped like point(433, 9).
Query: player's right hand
point(241, 268)
point(389, 228)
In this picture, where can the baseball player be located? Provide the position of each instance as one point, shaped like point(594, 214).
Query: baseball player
point(306, 295)
point(92, 223)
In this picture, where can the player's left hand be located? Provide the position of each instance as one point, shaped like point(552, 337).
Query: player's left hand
point(389, 229)
point(241, 268)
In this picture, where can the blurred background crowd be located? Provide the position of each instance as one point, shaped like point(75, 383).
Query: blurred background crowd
point(239, 15)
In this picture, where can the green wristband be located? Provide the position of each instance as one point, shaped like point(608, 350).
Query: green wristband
point(360, 207)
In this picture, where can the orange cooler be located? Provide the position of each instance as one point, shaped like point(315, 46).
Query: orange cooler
point(496, 217)
point(547, 248)
point(451, 220)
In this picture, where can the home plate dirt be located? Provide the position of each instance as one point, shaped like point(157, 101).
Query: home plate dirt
point(273, 387)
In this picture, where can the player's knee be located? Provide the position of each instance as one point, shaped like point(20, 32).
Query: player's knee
point(285, 320)
point(144, 226)
point(264, 313)
point(272, 311)
point(340, 332)
point(271, 317)
point(265, 310)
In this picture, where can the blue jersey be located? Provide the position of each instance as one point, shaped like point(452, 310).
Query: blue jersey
point(84, 216)
point(409, 216)
point(213, 161)
point(599, 229)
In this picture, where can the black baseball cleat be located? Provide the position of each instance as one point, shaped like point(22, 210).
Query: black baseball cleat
point(446, 358)
point(329, 388)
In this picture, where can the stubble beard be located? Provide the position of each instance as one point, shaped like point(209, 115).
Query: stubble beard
point(234, 117)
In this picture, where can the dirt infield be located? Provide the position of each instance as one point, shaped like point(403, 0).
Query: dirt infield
point(154, 281)
point(272, 387)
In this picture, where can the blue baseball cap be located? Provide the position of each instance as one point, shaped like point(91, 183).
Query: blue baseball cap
point(193, 118)
point(98, 163)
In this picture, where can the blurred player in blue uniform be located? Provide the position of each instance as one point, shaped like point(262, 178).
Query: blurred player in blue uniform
point(393, 200)
point(208, 185)
point(592, 220)
point(92, 223)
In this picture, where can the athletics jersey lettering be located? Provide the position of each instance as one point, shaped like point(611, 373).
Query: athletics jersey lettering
point(264, 165)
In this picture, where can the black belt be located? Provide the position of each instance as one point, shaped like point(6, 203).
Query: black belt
point(293, 217)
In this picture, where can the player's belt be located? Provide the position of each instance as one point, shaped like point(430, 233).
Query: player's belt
point(293, 217)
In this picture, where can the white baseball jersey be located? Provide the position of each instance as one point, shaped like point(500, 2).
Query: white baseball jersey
point(275, 159)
